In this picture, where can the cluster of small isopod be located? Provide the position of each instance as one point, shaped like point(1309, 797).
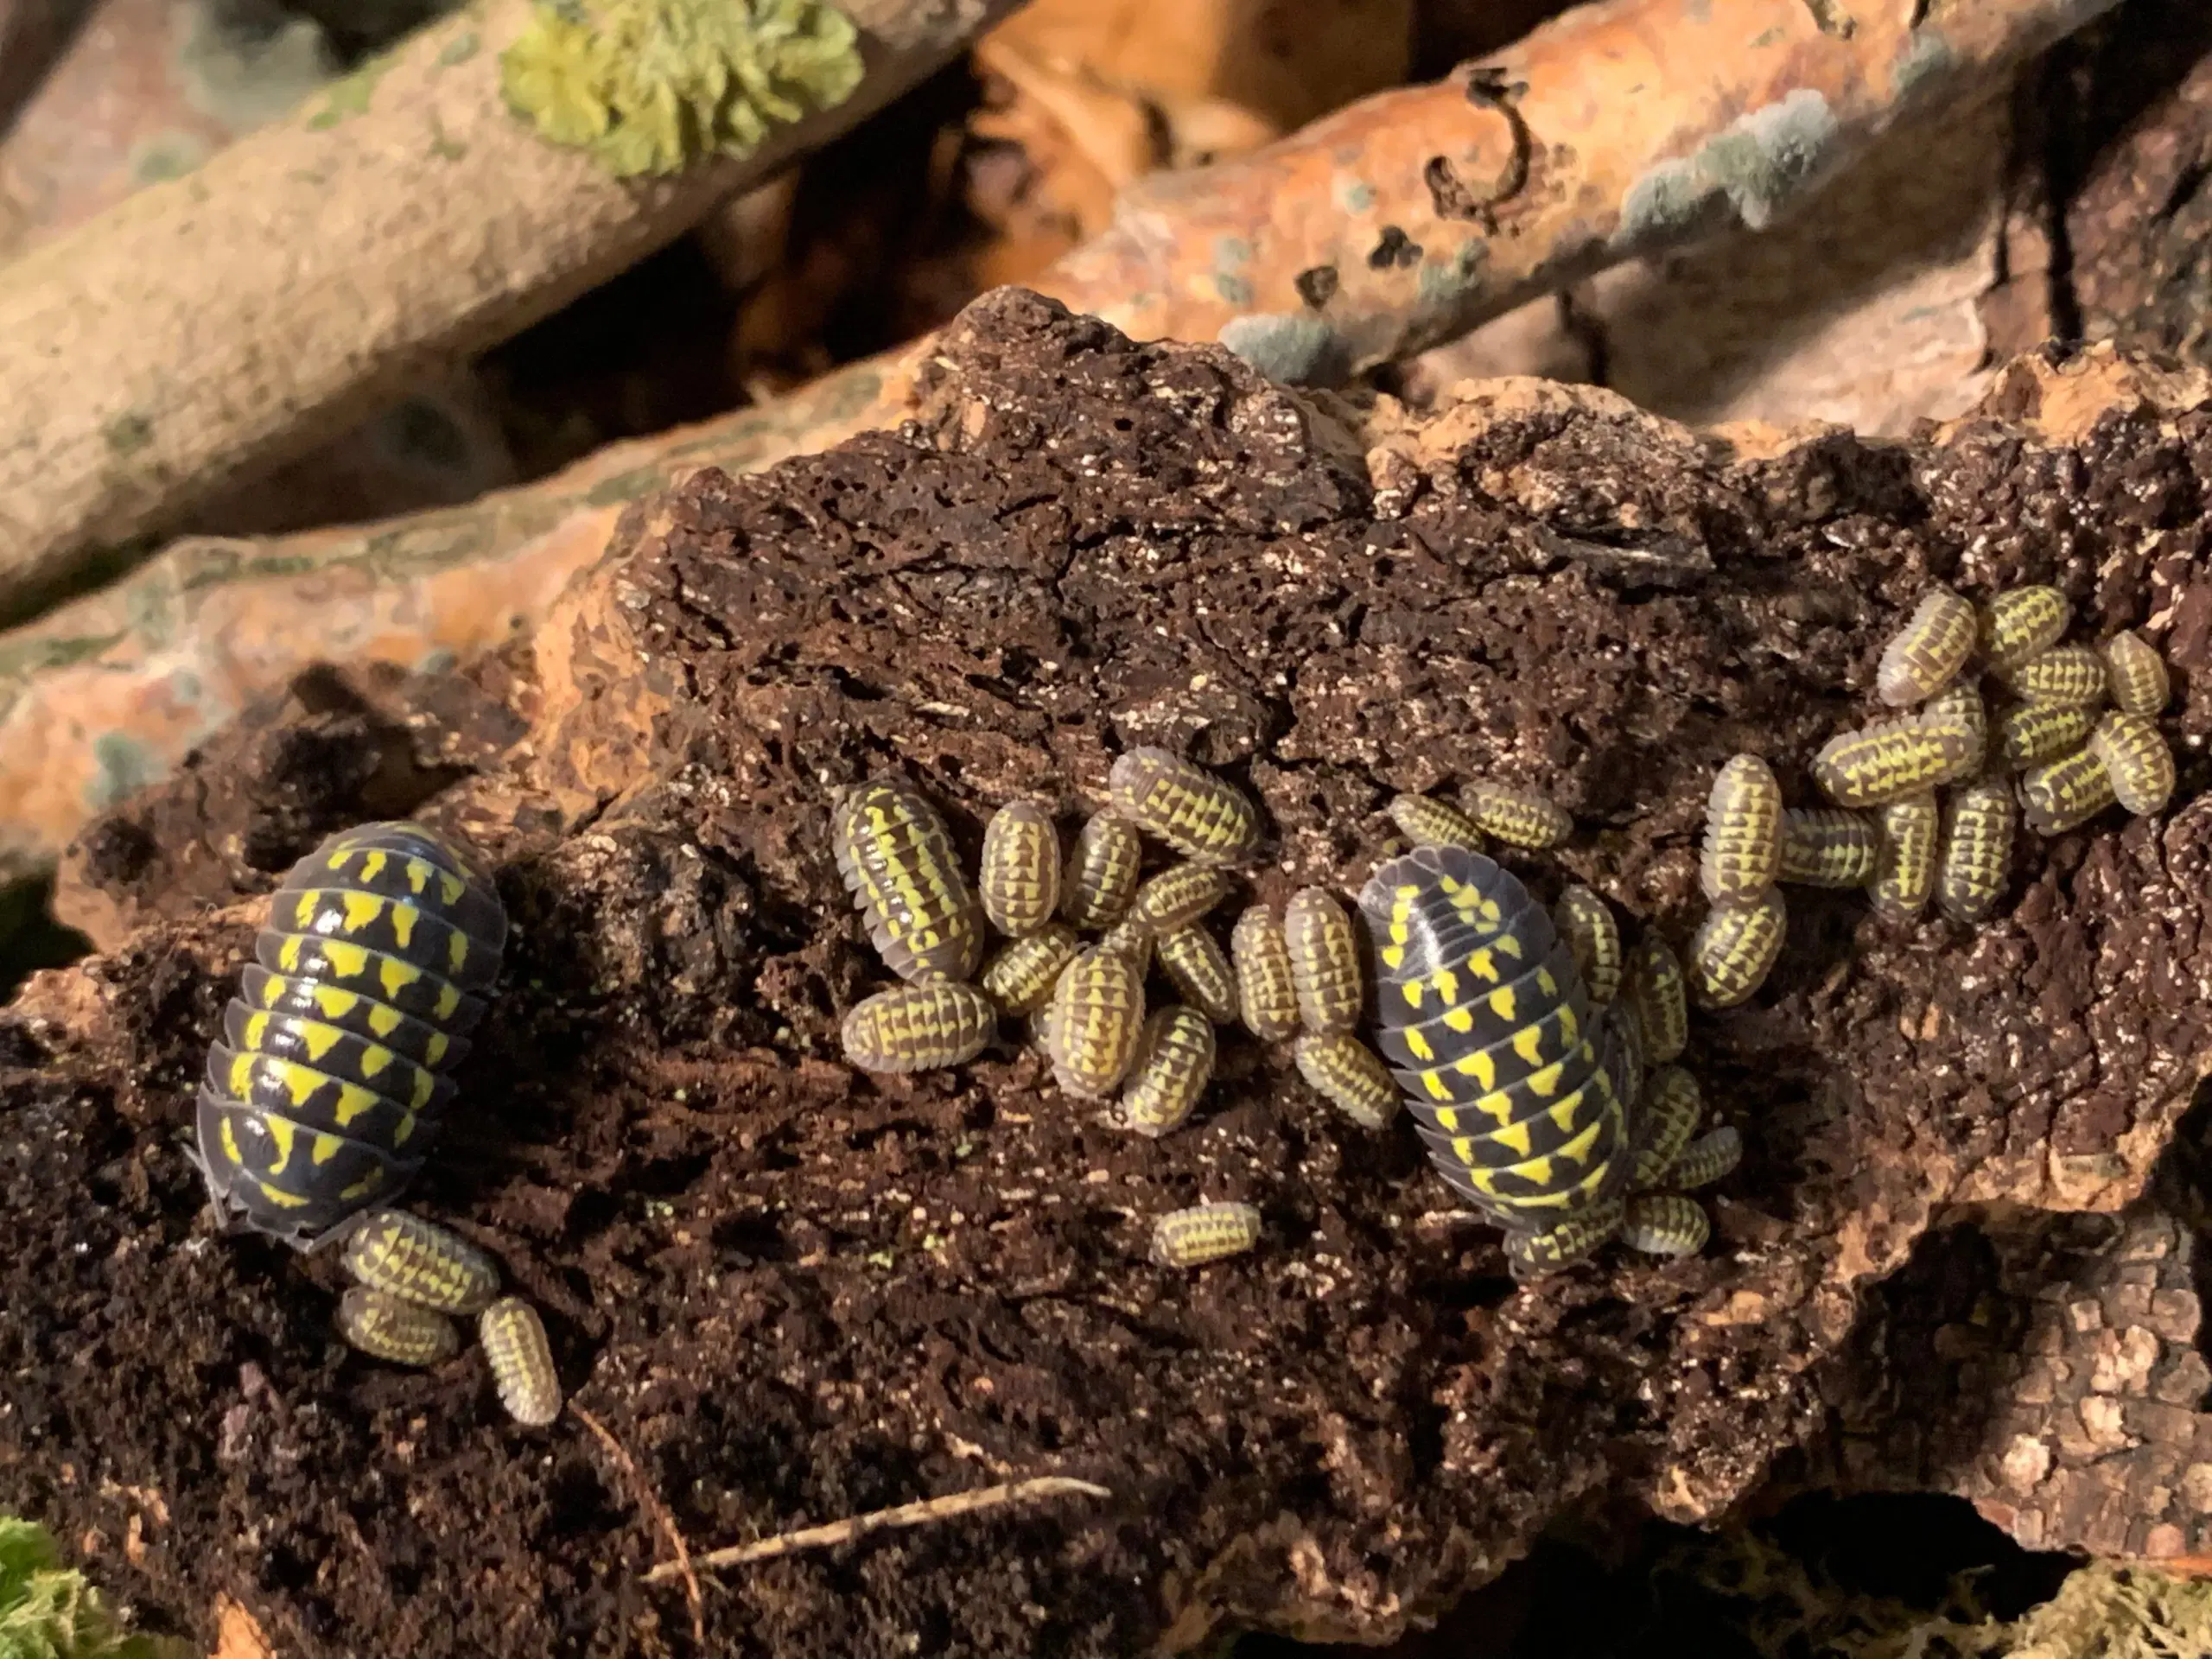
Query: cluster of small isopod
point(1926, 805)
point(413, 1279)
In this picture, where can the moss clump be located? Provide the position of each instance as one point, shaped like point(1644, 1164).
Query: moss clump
point(47, 1611)
point(651, 86)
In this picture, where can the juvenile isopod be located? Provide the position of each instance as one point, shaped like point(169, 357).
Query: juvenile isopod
point(1927, 653)
point(2020, 622)
point(1530, 1255)
point(1706, 1158)
point(1906, 878)
point(1097, 1017)
point(1179, 895)
point(2137, 759)
point(1672, 1111)
point(1203, 1233)
point(1349, 1075)
point(1829, 847)
point(1020, 880)
point(1657, 991)
point(2029, 733)
point(388, 1327)
point(1427, 823)
point(420, 1261)
point(521, 1361)
point(1518, 817)
point(1665, 1223)
point(1980, 822)
point(1735, 949)
point(1586, 922)
point(1173, 1061)
point(2065, 793)
point(920, 1027)
point(1743, 830)
point(2136, 675)
point(2069, 674)
point(1101, 882)
point(897, 861)
point(1893, 758)
point(1200, 815)
point(1267, 992)
point(1020, 977)
point(1323, 961)
point(1200, 971)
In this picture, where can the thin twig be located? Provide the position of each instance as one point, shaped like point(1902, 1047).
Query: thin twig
point(649, 1500)
point(906, 1514)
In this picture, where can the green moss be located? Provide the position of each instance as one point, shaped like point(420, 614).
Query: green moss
point(48, 1611)
point(649, 87)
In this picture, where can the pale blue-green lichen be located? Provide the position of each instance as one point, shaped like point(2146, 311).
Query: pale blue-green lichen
point(650, 87)
point(1291, 346)
point(1754, 165)
point(124, 766)
point(1927, 55)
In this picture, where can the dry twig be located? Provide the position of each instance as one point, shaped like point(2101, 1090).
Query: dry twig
point(649, 1500)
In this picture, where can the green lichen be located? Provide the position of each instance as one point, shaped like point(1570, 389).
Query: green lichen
point(649, 87)
point(1291, 346)
point(1756, 165)
point(47, 1611)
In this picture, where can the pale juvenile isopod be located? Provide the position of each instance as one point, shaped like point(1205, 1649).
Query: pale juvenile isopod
point(1323, 961)
point(2020, 622)
point(1267, 991)
point(1706, 1158)
point(1665, 1223)
point(1906, 878)
point(2137, 759)
point(1518, 817)
point(389, 1327)
point(1174, 1059)
point(1586, 922)
point(1203, 1233)
point(420, 1261)
point(1672, 1111)
point(1179, 895)
point(521, 1361)
point(1097, 1017)
point(1980, 822)
point(1743, 830)
point(2029, 733)
point(1829, 847)
point(1101, 882)
point(1893, 758)
point(1927, 653)
point(2065, 793)
point(1735, 949)
point(1200, 970)
point(2136, 675)
point(2069, 674)
point(920, 1027)
point(1428, 823)
point(1657, 991)
point(1200, 815)
point(1349, 1075)
point(899, 863)
point(1020, 977)
point(1020, 880)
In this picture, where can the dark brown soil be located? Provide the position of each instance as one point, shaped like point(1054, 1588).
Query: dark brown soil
point(793, 1293)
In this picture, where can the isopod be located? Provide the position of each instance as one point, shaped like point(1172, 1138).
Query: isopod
point(1706, 1158)
point(1672, 1111)
point(1665, 1223)
point(2020, 622)
point(1020, 879)
point(1097, 1017)
point(2136, 675)
point(1927, 653)
point(1735, 949)
point(1893, 758)
point(1267, 992)
point(521, 1361)
point(1323, 961)
point(2067, 674)
point(1905, 879)
point(1657, 991)
point(420, 1261)
point(389, 1327)
point(2137, 760)
point(1829, 847)
point(1101, 882)
point(1586, 922)
point(897, 861)
point(920, 1027)
point(1743, 830)
point(1428, 823)
point(1349, 1075)
point(2029, 733)
point(1173, 1061)
point(1200, 971)
point(1518, 817)
point(1204, 1232)
point(1980, 822)
point(1020, 977)
point(1179, 895)
point(1200, 815)
point(2065, 793)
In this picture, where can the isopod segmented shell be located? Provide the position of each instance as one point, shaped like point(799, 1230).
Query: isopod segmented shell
point(1927, 653)
point(1829, 847)
point(2137, 760)
point(1200, 815)
point(1735, 949)
point(1179, 895)
point(1267, 992)
point(897, 860)
point(1623, 1049)
point(1428, 823)
point(1200, 970)
point(1101, 880)
point(2020, 622)
point(420, 1261)
point(1893, 758)
point(1018, 880)
point(521, 1361)
point(1131, 937)
point(389, 1327)
point(1959, 704)
point(1673, 1107)
point(2135, 673)
point(2065, 793)
point(1097, 1017)
point(2029, 733)
point(1204, 1232)
point(1586, 922)
point(1979, 823)
point(1172, 1064)
point(1323, 961)
point(2067, 674)
point(1665, 1223)
point(1706, 1158)
point(1743, 830)
point(920, 1027)
point(1349, 1075)
point(1905, 879)
point(1532, 1255)
point(1518, 817)
point(1020, 977)
point(1657, 991)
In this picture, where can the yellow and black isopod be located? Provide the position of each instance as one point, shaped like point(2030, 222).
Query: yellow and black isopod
point(1323, 961)
point(1200, 970)
point(2069, 674)
point(1097, 1017)
point(920, 1027)
point(2065, 793)
point(1960, 704)
point(1018, 880)
point(1532, 1255)
point(1743, 830)
point(1200, 815)
point(1173, 1061)
point(1349, 1075)
point(1179, 895)
point(1673, 1107)
point(1519, 818)
point(2020, 622)
point(2135, 673)
point(2029, 733)
point(1622, 1047)
point(389, 1327)
point(1427, 823)
point(1204, 1232)
point(1927, 653)
point(1586, 922)
point(1101, 883)
point(1893, 758)
point(1267, 990)
point(422, 1263)
point(1706, 1158)
point(2137, 760)
point(324, 1098)
point(1020, 977)
point(521, 1361)
point(1981, 821)
point(1735, 948)
point(897, 860)
point(1657, 990)
point(1829, 847)
point(1665, 1223)
point(1912, 832)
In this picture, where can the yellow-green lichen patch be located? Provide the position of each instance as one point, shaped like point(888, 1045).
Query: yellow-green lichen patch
point(651, 86)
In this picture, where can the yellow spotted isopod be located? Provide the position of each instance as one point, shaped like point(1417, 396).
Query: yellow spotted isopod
point(920, 1027)
point(389, 1327)
point(1657, 991)
point(1200, 815)
point(1735, 948)
point(2137, 760)
point(1101, 882)
point(1706, 1158)
point(897, 860)
point(1323, 961)
point(2069, 674)
point(420, 1261)
point(1743, 830)
point(1905, 879)
point(1673, 1107)
point(1020, 879)
point(1097, 1019)
point(1927, 653)
point(2065, 793)
point(1665, 1223)
point(1428, 823)
point(1020, 977)
point(1518, 817)
point(2020, 622)
point(1173, 1062)
point(1267, 989)
point(521, 1361)
point(2029, 733)
point(2136, 675)
point(1893, 758)
point(1179, 895)
point(1979, 823)
point(1829, 847)
point(1594, 938)
point(1204, 1232)
point(1200, 970)
point(1349, 1075)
